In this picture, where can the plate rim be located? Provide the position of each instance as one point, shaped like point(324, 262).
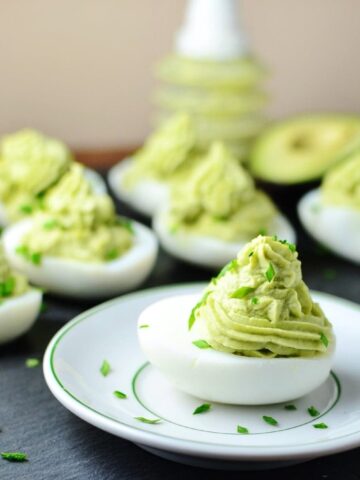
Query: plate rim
point(137, 435)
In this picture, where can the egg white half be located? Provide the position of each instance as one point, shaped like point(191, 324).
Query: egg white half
point(85, 280)
point(146, 196)
point(94, 178)
point(18, 314)
point(208, 251)
point(219, 376)
point(336, 227)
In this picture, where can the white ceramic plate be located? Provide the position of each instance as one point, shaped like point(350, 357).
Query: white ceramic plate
point(74, 356)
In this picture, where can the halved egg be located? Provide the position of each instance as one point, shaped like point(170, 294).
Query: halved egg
point(219, 376)
point(335, 226)
point(209, 251)
point(85, 280)
point(145, 196)
point(17, 314)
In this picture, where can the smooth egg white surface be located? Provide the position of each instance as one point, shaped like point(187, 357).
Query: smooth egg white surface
point(146, 196)
point(336, 227)
point(94, 178)
point(85, 280)
point(208, 251)
point(18, 314)
point(219, 376)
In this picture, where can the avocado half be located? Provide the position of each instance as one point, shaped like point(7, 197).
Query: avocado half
point(303, 148)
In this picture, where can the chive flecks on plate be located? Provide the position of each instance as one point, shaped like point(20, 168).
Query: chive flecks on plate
point(7, 287)
point(192, 317)
point(270, 272)
point(290, 407)
point(149, 421)
point(27, 209)
point(32, 362)
point(313, 412)
point(35, 257)
point(324, 339)
point(205, 407)
point(201, 343)
point(119, 394)
point(242, 292)
point(254, 300)
point(144, 326)
point(14, 456)
point(50, 224)
point(270, 420)
point(105, 368)
point(112, 254)
point(320, 425)
point(241, 429)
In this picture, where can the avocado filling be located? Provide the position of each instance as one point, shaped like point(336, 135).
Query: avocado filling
point(219, 200)
point(29, 164)
point(259, 306)
point(11, 284)
point(166, 152)
point(341, 186)
point(76, 224)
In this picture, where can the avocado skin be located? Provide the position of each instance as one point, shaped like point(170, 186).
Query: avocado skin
point(272, 162)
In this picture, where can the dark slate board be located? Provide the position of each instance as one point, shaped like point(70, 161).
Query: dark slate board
point(60, 446)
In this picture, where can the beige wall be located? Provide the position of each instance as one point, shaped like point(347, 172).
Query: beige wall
point(81, 69)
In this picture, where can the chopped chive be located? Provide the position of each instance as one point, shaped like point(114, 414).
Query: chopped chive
point(201, 344)
point(144, 326)
point(320, 425)
point(112, 254)
point(32, 362)
point(313, 412)
point(192, 317)
point(242, 292)
point(242, 430)
point(43, 307)
point(228, 268)
point(270, 420)
point(126, 223)
point(26, 209)
point(262, 231)
point(7, 288)
point(119, 394)
point(329, 274)
point(50, 224)
point(291, 246)
point(105, 368)
point(251, 254)
point(36, 258)
point(150, 421)
point(254, 300)
point(205, 407)
point(290, 407)
point(14, 456)
point(270, 273)
point(324, 340)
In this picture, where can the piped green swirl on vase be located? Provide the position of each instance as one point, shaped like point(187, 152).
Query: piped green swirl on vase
point(219, 200)
point(77, 223)
point(259, 306)
point(12, 284)
point(29, 164)
point(341, 186)
point(165, 152)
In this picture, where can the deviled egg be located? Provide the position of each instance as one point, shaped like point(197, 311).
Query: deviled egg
point(143, 180)
point(19, 303)
point(30, 164)
point(331, 214)
point(212, 215)
point(77, 246)
point(254, 336)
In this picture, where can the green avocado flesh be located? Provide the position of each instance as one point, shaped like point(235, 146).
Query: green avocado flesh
point(303, 148)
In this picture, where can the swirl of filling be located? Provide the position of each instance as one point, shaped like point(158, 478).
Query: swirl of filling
point(259, 306)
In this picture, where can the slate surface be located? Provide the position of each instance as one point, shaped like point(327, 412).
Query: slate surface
point(61, 446)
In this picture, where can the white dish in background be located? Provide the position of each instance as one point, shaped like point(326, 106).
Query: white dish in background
point(336, 227)
point(146, 196)
point(72, 371)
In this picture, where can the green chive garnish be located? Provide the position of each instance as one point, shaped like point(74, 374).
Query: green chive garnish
point(192, 317)
point(270, 420)
point(201, 344)
point(150, 421)
point(313, 412)
point(290, 407)
point(26, 209)
point(251, 254)
point(144, 326)
point(32, 362)
point(320, 425)
point(255, 300)
point(14, 456)
point(241, 429)
point(228, 268)
point(7, 288)
point(270, 272)
point(112, 254)
point(126, 223)
point(119, 394)
point(242, 292)
point(205, 407)
point(324, 339)
point(50, 224)
point(36, 258)
point(105, 368)
point(262, 231)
